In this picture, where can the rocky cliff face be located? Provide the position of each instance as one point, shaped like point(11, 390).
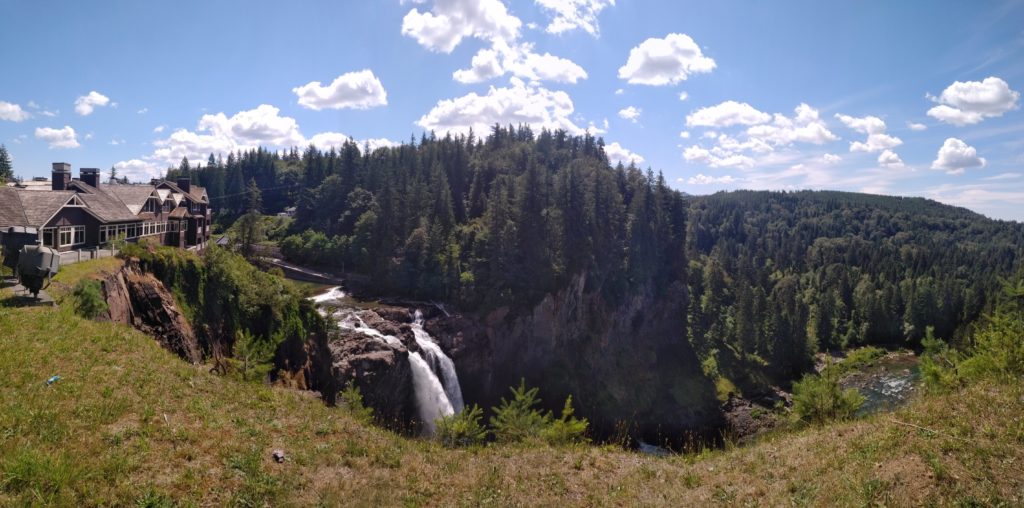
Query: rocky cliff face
point(140, 300)
point(378, 367)
point(629, 367)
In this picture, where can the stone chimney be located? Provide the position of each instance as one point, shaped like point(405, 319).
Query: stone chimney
point(61, 176)
point(90, 176)
point(185, 183)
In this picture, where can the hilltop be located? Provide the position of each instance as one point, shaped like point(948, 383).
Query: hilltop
point(129, 422)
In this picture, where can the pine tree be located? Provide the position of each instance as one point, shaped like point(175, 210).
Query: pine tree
point(6, 166)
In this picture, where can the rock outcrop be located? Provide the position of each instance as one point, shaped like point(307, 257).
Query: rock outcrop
point(140, 300)
point(379, 367)
point(628, 366)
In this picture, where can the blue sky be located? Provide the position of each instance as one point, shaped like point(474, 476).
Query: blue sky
point(914, 98)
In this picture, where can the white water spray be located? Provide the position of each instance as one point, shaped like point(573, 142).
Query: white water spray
point(435, 382)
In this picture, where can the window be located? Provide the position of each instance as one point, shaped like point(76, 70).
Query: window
point(49, 237)
point(71, 235)
point(167, 206)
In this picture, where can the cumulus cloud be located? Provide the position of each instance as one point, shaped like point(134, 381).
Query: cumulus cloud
point(955, 156)
point(914, 126)
point(444, 26)
point(717, 157)
point(58, 138)
point(13, 112)
point(874, 127)
point(966, 103)
point(665, 61)
point(805, 126)
point(831, 158)
point(631, 113)
point(889, 159)
point(139, 170)
point(143, 111)
point(159, 128)
point(355, 90)
point(616, 154)
point(570, 15)
point(684, 134)
point(521, 61)
point(702, 179)
point(683, 96)
point(726, 114)
point(86, 104)
point(619, 91)
point(325, 140)
point(518, 103)
point(763, 137)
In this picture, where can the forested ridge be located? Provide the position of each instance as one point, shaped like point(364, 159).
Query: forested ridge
point(768, 278)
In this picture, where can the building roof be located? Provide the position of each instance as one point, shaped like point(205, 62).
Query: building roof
point(12, 213)
point(35, 203)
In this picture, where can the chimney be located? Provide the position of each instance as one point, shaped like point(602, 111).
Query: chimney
point(90, 176)
point(184, 183)
point(61, 176)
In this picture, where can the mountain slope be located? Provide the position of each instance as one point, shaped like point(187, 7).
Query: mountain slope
point(129, 422)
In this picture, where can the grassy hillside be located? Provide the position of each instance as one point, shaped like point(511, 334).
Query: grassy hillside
point(129, 423)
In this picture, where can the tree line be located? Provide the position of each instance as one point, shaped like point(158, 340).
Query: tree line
point(767, 278)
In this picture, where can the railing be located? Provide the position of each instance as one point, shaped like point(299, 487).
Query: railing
point(74, 256)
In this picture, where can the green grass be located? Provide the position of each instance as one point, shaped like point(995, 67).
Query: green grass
point(131, 424)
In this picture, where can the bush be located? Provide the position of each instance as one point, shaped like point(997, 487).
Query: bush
point(819, 399)
point(89, 301)
point(566, 430)
point(518, 419)
point(353, 400)
point(462, 429)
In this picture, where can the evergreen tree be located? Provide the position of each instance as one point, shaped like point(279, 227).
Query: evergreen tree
point(6, 166)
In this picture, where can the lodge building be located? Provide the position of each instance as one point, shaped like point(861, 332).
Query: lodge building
point(83, 213)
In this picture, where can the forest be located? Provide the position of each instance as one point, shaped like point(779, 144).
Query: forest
point(769, 278)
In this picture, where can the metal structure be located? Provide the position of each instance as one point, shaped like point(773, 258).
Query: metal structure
point(11, 242)
point(36, 266)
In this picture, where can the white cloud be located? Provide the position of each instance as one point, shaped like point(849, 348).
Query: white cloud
point(726, 114)
point(572, 14)
point(143, 111)
point(890, 159)
point(916, 126)
point(804, 127)
point(831, 158)
point(86, 104)
point(159, 128)
point(619, 91)
point(717, 157)
point(139, 170)
point(58, 138)
point(683, 96)
point(684, 134)
point(702, 179)
point(444, 26)
point(325, 140)
point(88, 136)
point(616, 154)
point(965, 103)
point(518, 103)
point(631, 113)
point(116, 141)
point(521, 61)
point(13, 112)
point(1005, 176)
point(356, 90)
point(955, 156)
point(874, 127)
point(665, 61)
point(49, 113)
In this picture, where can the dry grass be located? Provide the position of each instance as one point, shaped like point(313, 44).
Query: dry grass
point(129, 423)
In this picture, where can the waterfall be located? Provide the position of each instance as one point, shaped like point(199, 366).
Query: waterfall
point(431, 399)
point(435, 383)
point(439, 363)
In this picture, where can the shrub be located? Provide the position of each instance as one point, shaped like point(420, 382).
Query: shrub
point(89, 301)
point(353, 400)
point(518, 419)
point(819, 399)
point(566, 430)
point(462, 429)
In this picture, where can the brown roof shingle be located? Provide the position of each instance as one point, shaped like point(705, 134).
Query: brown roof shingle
point(12, 213)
